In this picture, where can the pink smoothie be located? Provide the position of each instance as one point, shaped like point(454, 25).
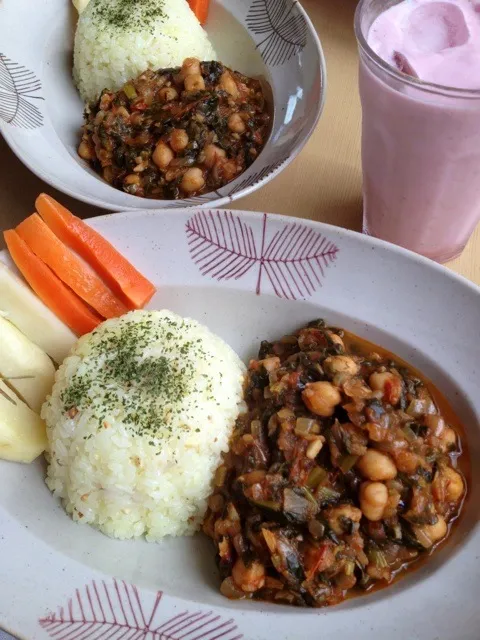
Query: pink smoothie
point(421, 145)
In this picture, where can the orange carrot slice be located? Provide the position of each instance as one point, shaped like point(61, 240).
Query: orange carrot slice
point(69, 267)
point(200, 9)
point(120, 275)
point(50, 289)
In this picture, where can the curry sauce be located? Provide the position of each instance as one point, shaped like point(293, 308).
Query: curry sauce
point(342, 473)
point(177, 133)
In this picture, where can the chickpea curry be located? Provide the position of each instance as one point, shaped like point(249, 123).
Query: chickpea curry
point(176, 133)
point(341, 473)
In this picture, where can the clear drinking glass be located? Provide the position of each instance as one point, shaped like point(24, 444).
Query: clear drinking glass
point(420, 154)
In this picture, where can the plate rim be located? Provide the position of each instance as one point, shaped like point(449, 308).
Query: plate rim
point(352, 233)
point(363, 239)
point(8, 132)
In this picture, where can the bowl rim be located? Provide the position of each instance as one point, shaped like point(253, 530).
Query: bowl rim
point(51, 180)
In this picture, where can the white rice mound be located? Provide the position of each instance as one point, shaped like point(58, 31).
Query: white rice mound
point(111, 49)
point(125, 453)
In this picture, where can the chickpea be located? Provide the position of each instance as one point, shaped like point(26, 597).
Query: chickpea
point(179, 140)
point(335, 339)
point(335, 517)
point(408, 462)
point(250, 578)
point(454, 485)
point(229, 85)
point(85, 152)
point(236, 124)
point(321, 398)
point(341, 364)
point(194, 83)
point(132, 178)
point(167, 94)
point(373, 500)
point(448, 439)
point(193, 180)
point(212, 153)
point(270, 364)
point(191, 67)
point(162, 156)
point(375, 466)
point(430, 534)
point(377, 380)
point(437, 531)
point(389, 384)
point(435, 424)
point(141, 166)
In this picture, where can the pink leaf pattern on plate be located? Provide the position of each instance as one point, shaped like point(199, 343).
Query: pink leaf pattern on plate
point(293, 259)
point(113, 612)
point(221, 244)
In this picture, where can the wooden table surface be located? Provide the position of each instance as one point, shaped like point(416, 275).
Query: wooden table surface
point(323, 183)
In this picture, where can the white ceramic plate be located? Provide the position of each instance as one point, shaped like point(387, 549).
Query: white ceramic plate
point(41, 113)
point(251, 276)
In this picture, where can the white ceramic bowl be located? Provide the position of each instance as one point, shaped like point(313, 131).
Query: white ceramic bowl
point(250, 277)
point(41, 113)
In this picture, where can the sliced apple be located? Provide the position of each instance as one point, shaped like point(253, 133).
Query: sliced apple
point(24, 366)
point(80, 5)
point(22, 308)
point(23, 434)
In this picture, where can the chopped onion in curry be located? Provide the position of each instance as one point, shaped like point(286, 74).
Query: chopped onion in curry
point(177, 133)
point(340, 475)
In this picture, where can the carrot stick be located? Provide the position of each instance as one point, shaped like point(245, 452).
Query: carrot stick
point(200, 9)
point(50, 289)
point(120, 275)
point(69, 267)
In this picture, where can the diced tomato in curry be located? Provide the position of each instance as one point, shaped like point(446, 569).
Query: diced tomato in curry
point(341, 474)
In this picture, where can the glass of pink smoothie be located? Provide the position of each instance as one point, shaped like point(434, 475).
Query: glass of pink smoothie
point(420, 93)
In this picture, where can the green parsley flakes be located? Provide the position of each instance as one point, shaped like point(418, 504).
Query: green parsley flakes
point(147, 389)
point(131, 15)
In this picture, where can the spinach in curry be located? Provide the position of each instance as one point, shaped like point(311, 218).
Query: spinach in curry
point(176, 133)
point(340, 475)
